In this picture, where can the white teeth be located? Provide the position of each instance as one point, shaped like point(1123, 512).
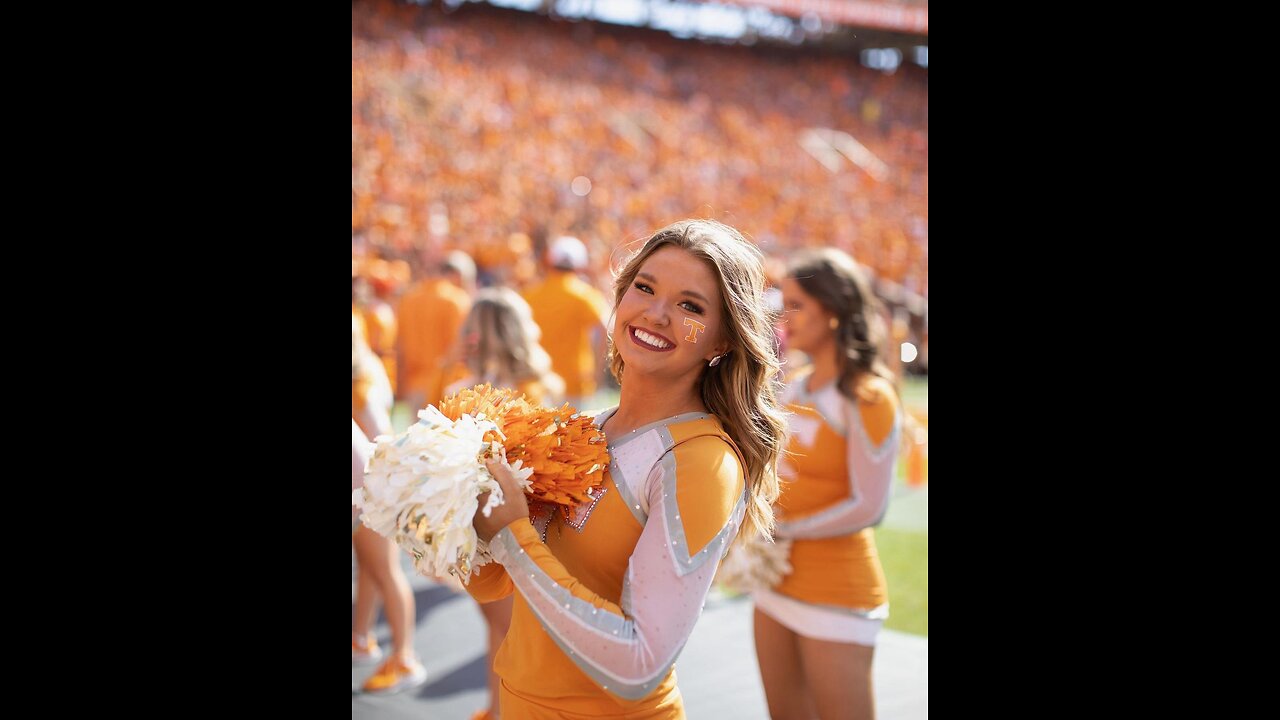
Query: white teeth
point(655, 341)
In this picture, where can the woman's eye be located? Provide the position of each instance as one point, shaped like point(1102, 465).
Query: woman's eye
point(691, 307)
point(644, 288)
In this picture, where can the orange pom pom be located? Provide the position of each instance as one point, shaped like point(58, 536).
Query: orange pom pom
point(566, 451)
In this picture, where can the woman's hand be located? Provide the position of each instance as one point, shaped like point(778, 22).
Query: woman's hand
point(513, 507)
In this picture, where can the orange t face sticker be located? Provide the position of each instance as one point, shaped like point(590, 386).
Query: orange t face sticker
point(695, 327)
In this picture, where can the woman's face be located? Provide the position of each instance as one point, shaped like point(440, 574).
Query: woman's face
point(669, 322)
point(808, 323)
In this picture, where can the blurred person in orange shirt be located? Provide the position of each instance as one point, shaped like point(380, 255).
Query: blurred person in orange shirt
point(429, 317)
point(572, 315)
point(376, 287)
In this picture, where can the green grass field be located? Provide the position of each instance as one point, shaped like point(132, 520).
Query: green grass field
point(905, 557)
point(915, 393)
point(903, 538)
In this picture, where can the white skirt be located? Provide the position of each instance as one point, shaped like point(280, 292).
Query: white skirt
point(823, 622)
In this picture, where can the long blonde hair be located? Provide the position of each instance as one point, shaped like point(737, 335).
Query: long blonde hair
point(499, 341)
point(743, 388)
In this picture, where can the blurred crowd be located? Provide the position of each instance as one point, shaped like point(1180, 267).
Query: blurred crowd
point(495, 131)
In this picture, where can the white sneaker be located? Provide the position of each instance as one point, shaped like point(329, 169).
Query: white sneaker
point(365, 654)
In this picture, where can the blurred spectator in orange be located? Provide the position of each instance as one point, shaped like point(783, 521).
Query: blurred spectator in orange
point(429, 317)
point(572, 316)
point(377, 287)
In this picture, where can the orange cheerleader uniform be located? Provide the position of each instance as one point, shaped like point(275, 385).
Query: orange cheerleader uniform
point(608, 594)
point(836, 481)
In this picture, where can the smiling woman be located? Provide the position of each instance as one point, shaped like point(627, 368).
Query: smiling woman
point(668, 299)
point(607, 597)
point(704, 272)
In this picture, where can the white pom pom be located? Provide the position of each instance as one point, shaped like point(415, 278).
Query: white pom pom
point(755, 563)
